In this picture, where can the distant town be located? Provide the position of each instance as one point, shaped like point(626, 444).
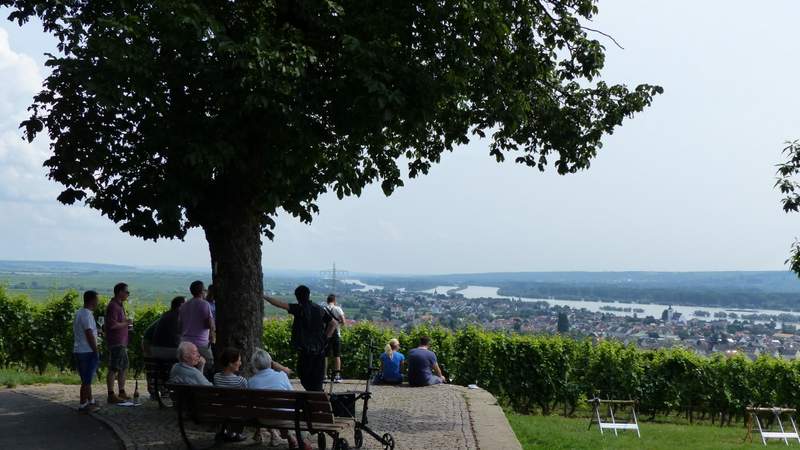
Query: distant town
point(751, 334)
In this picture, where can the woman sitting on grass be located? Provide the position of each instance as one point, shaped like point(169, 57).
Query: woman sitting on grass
point(267, 378)
point(391, 363)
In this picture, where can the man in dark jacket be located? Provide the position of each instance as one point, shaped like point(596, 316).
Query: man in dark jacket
point(167, 333)
point(311, 329)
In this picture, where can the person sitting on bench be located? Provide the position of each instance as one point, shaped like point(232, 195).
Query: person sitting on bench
point(391, 363)
point(267, 378)
point(189, 369)
point(422, 365)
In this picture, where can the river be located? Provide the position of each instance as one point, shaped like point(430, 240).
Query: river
point(650, 309)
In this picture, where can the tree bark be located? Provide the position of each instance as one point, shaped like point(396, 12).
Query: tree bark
point(235, 248)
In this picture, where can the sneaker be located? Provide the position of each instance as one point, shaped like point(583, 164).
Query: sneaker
point(337, 379)
point(92, 407)
point(114, 399)
point(123, 396)
point(234, 437)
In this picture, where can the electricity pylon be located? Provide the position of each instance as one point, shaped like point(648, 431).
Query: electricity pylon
point(332, 274)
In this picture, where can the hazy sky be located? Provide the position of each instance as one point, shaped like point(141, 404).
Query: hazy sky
point(685, 185)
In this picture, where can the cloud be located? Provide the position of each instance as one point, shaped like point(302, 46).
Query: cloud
point(22, 177)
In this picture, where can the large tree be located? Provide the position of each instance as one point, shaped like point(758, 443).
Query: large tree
point(173, 114)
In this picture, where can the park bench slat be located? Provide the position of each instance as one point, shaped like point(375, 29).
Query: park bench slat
point(262, 399)
point(234, 412)
point(339, 424)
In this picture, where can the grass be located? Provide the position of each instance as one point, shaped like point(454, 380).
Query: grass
point(11, 377)
point(553, 433)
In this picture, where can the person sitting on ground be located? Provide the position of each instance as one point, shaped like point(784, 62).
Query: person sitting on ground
point(189, 369)
point(422, 365)
point(85, 349)
point(167, 332)
point(231, 361)
point(391, 364)
point(311, 329)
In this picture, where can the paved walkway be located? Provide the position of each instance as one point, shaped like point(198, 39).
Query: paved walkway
point(30, 423)
point(434, 417)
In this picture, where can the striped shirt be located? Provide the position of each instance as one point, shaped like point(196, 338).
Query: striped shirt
point(229, 381)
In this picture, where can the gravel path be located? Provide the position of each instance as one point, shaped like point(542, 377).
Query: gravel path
point(434, 417)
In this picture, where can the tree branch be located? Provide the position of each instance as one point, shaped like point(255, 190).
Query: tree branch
point(604, 34)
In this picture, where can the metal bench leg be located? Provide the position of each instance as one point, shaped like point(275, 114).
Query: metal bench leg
point(794, 426)
point(611, 412)
point(599, 420)
point(780, 425)
point(760, 430)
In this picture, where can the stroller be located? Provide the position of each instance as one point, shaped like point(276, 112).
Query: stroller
point(344, 405)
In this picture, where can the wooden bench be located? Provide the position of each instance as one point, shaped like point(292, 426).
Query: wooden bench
point(284, 410)
point(157, 372)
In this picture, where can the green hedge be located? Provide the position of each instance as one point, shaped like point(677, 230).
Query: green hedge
point(528, 373)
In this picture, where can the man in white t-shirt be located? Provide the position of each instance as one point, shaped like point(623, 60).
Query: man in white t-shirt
point(84, 347)
point(335, 341)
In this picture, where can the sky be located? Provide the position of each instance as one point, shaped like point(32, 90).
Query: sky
point(685, 185)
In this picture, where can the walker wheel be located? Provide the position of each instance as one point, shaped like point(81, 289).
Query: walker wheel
point(358, 438)
point(388, 442)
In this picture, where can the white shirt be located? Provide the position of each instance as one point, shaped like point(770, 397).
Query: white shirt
point(338, 314)
point(84, 320)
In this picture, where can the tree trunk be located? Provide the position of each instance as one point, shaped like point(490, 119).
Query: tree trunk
point(235, 248)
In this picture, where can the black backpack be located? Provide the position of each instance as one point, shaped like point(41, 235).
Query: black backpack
point(308, 329)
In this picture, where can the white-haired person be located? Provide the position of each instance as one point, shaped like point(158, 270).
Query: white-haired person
point(391, 364)
point(265, 377)
point(189, 369)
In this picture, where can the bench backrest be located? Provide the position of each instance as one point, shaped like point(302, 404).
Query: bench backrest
point(215, 404)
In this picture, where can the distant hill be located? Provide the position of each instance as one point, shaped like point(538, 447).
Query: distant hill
point(50, 267)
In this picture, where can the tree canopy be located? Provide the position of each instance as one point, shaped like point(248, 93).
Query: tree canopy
point(789, 186)
point(172, 114)
point(165, 115)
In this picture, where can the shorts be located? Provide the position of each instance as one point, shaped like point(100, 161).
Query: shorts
point(118, 358)
point(87, 366)
point(334, 346)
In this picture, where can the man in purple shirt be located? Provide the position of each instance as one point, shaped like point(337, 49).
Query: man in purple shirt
point(116, 329)
point(197, 322)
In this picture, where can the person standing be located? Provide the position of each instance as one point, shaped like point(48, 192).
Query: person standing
point(197, 323)
point(311, 328)
point(116, 327)
point(84, 346)
point(167, 332)
point(335, 341)
point(422, 365)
